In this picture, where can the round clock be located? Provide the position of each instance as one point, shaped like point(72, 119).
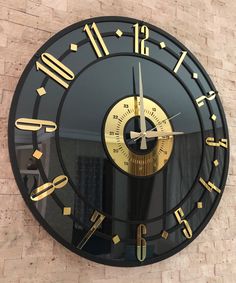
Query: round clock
point(118, 141)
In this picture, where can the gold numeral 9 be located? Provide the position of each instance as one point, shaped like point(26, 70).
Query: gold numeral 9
point(57, 67)
point(187, 231)
point(139, 47)
point(48, 188)
point(141, 242)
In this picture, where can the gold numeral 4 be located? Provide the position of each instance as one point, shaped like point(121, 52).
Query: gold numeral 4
point(59, 72)
point(187, 231)
point(209, 186)
point(141, 242)
point(97, 218)
point(99, 37)
point(139, 46)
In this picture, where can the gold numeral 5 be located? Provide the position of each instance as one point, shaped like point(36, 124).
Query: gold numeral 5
point(187, 231)
point(57, 67)
point(141, 242)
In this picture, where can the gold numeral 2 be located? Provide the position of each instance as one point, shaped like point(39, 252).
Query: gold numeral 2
point(97, 218)
point(181, 59)
point(28, 124)
point(48, 188)
point(187, 231)
point(99, 37)
point(200, 100)
point(139, 47)
point(222, 142)
point(141, 242)
point(57, 67)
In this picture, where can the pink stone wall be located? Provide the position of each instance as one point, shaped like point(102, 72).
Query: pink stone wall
point(27, 253)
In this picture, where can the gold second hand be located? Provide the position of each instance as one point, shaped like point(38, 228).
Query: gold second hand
point(168, 119)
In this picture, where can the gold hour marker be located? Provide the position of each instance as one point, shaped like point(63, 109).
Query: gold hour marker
point(199, 204)
point(37, 154)
point(141, 242)
point(181, 59)
point(99, 37)
point(27, 124)
point(222, 142)
point(97, 218)
point(48, 188)
point(165, 235)
point(195, 76)
point(209, 185)
point(67, 211)
point(116, 239)
point(200, 100)
point(162, 45)
point(187, 231)
point(41, 91)
point(119, 33)
point(73, 47)
point(213, 117)
point(56, 66)
point(216, 162)
point(139, 46)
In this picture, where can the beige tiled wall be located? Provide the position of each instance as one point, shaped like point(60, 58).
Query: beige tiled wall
point(27, 253)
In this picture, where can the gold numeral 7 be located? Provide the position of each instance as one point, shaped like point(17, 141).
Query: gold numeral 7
point(187, 231)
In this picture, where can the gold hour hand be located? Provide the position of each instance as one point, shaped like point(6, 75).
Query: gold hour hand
point(153, 134)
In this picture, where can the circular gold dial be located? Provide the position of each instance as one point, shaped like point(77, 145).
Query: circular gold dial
point(122, 136)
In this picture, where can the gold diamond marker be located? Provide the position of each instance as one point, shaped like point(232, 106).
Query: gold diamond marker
point(116, 239)
point(195, 76)
point(37, 154)
point(67, 211)
point(165, 235)
point(119, 33)
point(41, 91)
point(199, 204)
point(213, 117)
point(73, 47)
point(162, 44)
point(216, 162)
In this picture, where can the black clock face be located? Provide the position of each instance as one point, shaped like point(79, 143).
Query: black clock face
point(118, 141)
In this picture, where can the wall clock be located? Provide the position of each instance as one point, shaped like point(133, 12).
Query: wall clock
point(118, 141)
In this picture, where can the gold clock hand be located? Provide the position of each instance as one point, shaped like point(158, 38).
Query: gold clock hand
point(153, 134)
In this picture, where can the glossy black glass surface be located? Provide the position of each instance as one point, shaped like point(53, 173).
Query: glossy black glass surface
point(76, 148)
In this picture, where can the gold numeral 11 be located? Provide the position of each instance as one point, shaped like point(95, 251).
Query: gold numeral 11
point(139, 47)
point(60, 70)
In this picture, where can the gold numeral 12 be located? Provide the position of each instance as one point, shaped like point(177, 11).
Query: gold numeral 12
point(139, 47)
point(60, 70)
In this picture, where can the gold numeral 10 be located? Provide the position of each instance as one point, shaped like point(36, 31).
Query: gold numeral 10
point(139, 47)
point(97, 218)
point(187, 231)
point(48, 188)
point(141, 242)
point(99, 37)
point(60, 70)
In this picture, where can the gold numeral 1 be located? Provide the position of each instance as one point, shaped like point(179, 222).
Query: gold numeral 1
point(59, 68)
point(209, 186)
point(187, 231)
point(181, 59)
point(99, 37)
point(27, 124)
point(222, 142)
point(48, 188)
point(200, 100)
point(139, 47)
point(141, 242)
point(97, 218)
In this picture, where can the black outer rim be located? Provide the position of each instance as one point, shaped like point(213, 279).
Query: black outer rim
point(12, 154)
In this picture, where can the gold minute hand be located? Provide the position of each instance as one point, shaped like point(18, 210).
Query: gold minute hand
point(153, 134)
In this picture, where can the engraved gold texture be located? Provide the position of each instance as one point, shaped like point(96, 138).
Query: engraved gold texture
point(128, 161)
point(37, 154)
point(187, 231)
point(48, 188)
point(28, 124)
point(141, 242)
